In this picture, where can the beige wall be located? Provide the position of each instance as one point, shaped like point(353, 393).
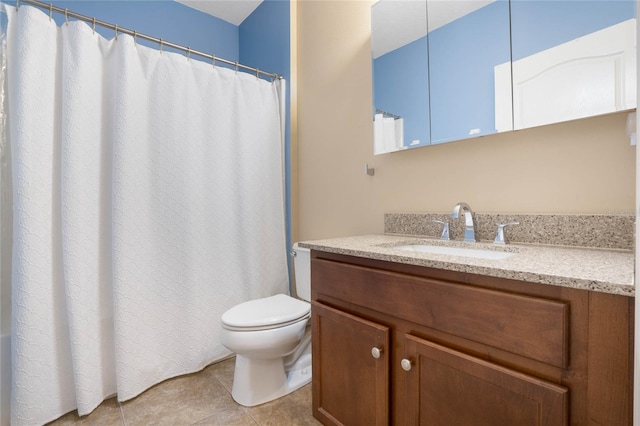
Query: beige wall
point(586, 166)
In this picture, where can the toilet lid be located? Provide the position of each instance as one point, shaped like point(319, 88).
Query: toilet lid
point(269, 311)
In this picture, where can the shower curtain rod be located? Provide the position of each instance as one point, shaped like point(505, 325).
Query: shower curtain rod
point(387, 113)
point(67, 13)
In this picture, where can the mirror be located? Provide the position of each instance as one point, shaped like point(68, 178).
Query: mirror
point(571, 59)
point(439, 88)
point(400, 75)
point(490, 66)
point(467, 39)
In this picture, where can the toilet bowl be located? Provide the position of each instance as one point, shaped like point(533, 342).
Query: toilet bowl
point(271, 338)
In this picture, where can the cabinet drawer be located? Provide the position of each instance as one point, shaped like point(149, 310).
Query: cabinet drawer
point(532, 327)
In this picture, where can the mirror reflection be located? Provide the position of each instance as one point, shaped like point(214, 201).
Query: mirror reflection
point(467, 40)
point(400, 75)
point(487, 66)
point(571, 59)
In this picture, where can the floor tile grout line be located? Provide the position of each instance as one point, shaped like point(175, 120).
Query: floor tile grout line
point(121, 413)
point(230, 395)
point(215, 378)
point(253, 418)
point(246, 410)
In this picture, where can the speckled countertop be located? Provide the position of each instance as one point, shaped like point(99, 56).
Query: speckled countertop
point(604, 270)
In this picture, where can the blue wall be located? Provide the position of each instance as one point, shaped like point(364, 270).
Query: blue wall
point(401, 87)
point(265, 39)
point(540, 25)
point(163, 19)
point(462, 57)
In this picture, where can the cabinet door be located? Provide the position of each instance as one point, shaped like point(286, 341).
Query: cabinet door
point(350, 385)
point(446, 387)
point(572, 59)
point(400, 75)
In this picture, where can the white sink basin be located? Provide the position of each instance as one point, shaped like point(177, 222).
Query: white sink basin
point(456, 251)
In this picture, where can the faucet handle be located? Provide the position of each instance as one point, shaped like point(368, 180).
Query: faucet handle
point(500, 239)
point(445, 230)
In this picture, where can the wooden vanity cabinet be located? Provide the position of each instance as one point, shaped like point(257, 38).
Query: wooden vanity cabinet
point(449, 387)
point(407, 345)
point(352, 386)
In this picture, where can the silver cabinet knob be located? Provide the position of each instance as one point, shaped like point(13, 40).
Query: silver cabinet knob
point(406, 364)
point(376, 352)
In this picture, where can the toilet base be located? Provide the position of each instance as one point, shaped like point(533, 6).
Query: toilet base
point(257, 381)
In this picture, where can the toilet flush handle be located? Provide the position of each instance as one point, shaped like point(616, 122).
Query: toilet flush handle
point(376, 352)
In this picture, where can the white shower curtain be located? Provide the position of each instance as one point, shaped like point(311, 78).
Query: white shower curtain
point(148, 199)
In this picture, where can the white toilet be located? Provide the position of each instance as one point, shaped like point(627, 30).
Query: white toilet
point(272, 340)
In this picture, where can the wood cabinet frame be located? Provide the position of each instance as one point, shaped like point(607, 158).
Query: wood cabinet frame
point(594, 359)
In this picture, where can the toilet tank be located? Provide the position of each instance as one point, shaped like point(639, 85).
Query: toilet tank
point(302, 269)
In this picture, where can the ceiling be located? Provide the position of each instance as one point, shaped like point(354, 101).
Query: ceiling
point(394, 22)
point(233, 11)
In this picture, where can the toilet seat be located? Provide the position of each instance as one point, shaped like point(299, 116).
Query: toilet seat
point(266, 313)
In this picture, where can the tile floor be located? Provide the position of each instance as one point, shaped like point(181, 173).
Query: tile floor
point(202, 398)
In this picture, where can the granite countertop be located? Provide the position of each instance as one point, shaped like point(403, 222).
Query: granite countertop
point(603, 270)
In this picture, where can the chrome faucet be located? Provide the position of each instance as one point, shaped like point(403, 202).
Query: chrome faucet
point(469, 228)
point(500, 238)
point(445, 229)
